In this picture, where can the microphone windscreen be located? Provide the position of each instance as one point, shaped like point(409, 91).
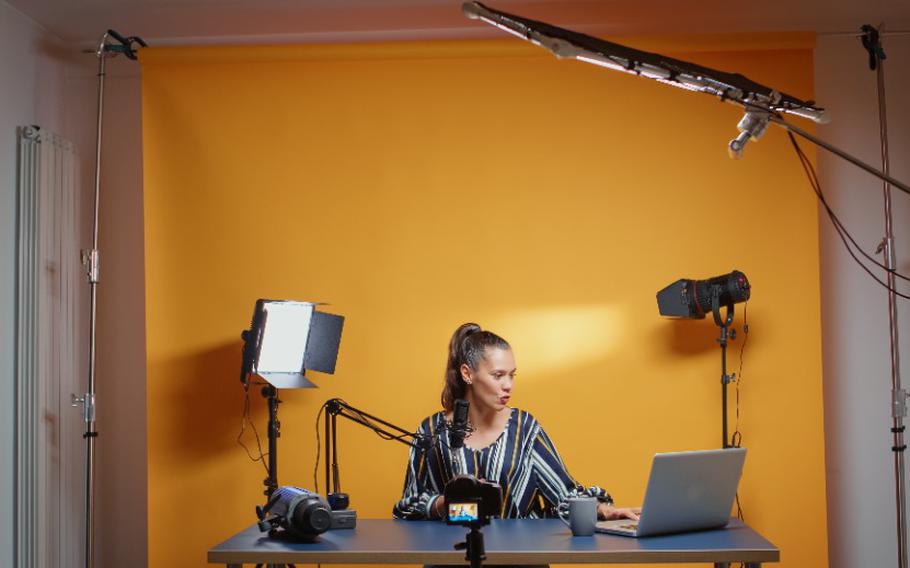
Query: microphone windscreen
point(459, 424)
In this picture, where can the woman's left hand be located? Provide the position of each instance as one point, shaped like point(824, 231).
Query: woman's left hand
point(607, 512)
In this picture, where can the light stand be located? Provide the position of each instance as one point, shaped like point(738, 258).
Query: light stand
point(871, 42)
point(285, 340)
point(91, 260)
point(691, 299)
point(270, 393)
point(725, 379)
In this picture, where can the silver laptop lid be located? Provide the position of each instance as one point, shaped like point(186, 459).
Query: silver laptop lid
point(691, 490)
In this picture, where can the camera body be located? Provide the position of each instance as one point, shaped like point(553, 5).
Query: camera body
point(471, 502)
point(302, 513)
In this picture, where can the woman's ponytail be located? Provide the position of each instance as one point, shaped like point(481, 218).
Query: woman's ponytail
point(467, 346)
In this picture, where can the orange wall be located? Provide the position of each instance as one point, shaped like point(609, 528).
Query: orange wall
point(418, 186)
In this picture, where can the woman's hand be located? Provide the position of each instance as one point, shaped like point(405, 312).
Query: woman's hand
point(439, 508)
point(607, 512)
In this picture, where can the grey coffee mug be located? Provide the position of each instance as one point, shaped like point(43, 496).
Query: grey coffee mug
point(582, 515)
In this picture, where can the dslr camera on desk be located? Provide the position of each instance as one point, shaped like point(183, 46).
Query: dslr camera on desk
point(471, 502)
point(299, 513)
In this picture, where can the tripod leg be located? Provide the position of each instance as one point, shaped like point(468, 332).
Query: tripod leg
point(476, 552)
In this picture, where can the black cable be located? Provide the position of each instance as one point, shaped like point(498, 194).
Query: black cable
point(816, 187)
point(838, 225)
point(837, 221)
point(316, 465)
point(244, 420)
point(318, 447)
point(737, 438)
point(842, 232)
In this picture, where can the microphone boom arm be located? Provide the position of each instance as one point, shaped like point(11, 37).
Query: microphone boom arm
point(336, 407)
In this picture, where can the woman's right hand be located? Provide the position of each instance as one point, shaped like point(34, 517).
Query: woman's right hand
point(608, 512)
point(439, 507)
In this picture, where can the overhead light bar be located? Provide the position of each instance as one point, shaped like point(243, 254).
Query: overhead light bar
point(760, 102)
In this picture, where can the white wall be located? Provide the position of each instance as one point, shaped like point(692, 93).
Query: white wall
point(857, 383)
point(53, 86)
point(32, 75)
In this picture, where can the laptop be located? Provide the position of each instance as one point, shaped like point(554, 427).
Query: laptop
point(687, 491)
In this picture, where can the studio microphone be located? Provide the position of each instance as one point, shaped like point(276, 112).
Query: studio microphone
point(459, 424)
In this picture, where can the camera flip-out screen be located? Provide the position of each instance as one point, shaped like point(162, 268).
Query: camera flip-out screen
point(463, 512)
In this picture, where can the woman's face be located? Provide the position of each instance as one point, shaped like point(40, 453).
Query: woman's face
point(491, 382)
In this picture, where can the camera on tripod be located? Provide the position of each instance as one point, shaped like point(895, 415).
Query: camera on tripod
point(471, 502)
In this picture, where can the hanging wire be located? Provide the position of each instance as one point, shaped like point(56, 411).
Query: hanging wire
point(244, 420)
point(842, 232)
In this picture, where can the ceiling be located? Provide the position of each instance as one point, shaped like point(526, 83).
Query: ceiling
point(184, 22)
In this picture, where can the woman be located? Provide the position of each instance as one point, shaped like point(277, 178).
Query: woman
point(504, 444)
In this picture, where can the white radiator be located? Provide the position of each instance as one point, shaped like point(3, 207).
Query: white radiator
point(49, 478)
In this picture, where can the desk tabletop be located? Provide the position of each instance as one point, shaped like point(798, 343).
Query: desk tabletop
point(507, 541)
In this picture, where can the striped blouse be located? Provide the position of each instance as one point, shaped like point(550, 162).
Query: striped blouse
point(523, 461)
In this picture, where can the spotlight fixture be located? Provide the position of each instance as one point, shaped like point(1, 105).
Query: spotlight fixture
point(692, 299)
point(288, 338)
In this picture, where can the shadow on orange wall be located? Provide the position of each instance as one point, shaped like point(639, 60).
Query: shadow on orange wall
point(696, 337)
point(205, 402)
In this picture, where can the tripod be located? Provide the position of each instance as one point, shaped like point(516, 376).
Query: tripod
point(274, 432)
point(473, 547)
point(270, 393)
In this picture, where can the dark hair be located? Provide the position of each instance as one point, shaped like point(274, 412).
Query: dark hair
point(467, 347)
